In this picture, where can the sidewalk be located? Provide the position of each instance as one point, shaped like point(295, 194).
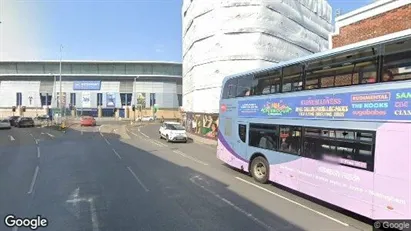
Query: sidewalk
point(199, 139)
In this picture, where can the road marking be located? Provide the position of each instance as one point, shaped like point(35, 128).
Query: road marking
point(38, 152)
point(33, 181)
point(11, 138)
point(294, 202)
point(107, 141)
point(37, 141)
point(145, 135)
point(194, 180)
point(82, 132)
point(50, 134)
point(139, 181)
point(118, 155)
point(74, 199)
point(93, 211)
point(189, 157)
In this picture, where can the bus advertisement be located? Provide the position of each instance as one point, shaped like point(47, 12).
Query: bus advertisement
point(335, 126)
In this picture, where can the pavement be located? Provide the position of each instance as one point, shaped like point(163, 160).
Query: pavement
point(118, 176)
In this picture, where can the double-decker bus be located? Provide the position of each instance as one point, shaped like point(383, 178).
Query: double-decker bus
point(334, 125)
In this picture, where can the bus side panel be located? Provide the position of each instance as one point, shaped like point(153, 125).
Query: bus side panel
point(392, 172)
point(284, 170)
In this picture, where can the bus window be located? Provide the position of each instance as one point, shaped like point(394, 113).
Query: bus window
point(397, 62)
point(242, 132)
point(267, 83)
point(264, 136)
point(244, 86)
point(290, 139)
point(292, 78)
point(230, 88)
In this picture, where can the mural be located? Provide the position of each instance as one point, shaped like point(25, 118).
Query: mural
point(201, 124)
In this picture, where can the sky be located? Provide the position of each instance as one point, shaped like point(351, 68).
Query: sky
point(99, 29)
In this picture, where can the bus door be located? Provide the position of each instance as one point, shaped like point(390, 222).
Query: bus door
point(242, 139)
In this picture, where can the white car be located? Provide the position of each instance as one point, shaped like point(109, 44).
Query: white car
point(173, 131)
point(146, 119)
point(5, 124)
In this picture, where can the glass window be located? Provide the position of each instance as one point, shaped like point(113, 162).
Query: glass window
point(264, 136)
point(397, 62)
point(347, 148)
point(343, 70)
point(73, 99)
point(129, 99)
point(290, 139)
point(242, 132)
point(230, 89)
point(123, 99)
point(244, 86)
point(292, 78)
point(267, 83)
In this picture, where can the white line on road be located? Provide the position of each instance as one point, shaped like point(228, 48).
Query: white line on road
point(189, 157)
point(50, 135)
point(139, 181)
point(11, 138)
point(38, 152)
point(93, 211)
point(107, 141)
point(294, 202)
point(37, 141)
point(145, 135)
point(194, 180)
point(33, 181)
point(118, 155)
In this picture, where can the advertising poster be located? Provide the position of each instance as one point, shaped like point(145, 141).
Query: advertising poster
point(205, 125)
point(85, 99)
point(394, 105)
point(87, 85)
point(141, 99)
point(110, 100)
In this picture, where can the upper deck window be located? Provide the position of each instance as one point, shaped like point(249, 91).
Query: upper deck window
point(230, 88)
point(267, 83)
point(292, 78)
point(397, 62)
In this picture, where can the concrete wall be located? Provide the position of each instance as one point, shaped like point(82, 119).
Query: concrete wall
point(374, 20)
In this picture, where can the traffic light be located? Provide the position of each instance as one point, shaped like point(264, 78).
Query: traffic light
point(115, 110)
point(134, 107)
point(23, 108)
point(13, 108)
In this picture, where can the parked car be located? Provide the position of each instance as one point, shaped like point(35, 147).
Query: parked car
point(87, 121)
point(5, 124)
point(24, 122)
point(146, 119)
point(173, 131)
point(13, 119)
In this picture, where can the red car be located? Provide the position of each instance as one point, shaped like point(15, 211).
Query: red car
point(87, 121)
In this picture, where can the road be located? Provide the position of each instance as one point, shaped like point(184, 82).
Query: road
point(122, 177)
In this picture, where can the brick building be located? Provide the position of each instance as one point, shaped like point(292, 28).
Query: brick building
point(377, 19)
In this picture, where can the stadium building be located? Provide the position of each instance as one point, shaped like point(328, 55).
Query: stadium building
point(98, 88)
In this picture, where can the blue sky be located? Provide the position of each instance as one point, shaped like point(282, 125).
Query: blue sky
point(112, 29)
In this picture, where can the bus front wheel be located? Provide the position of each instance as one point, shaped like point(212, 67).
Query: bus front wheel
point(260, 169)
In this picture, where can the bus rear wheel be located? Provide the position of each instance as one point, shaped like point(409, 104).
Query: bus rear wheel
point(260, 169)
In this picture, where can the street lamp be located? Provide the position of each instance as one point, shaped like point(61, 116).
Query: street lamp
point(61, 87)
point(135, 96)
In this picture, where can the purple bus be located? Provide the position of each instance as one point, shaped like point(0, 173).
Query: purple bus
point(334, 125)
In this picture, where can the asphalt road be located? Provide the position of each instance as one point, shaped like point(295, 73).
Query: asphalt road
point(119, 177)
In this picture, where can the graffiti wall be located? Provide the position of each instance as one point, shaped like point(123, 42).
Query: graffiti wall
point(205, 125)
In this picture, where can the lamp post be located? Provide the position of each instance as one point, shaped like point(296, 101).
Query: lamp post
point(61, 87)
point(135, 96)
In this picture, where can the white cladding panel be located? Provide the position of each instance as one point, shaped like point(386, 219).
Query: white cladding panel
point(9, 89)
point(224, 37)
point(110, 86)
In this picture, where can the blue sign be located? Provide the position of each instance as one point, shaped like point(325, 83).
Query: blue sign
point(86, 85)
point(373, 105)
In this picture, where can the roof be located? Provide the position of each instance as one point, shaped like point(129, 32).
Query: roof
point(90, 61)
point(371, 42)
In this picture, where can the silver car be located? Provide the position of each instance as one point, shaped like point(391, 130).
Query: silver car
point(5, 124)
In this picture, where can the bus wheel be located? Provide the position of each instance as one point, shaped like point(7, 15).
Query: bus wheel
point(260, 169)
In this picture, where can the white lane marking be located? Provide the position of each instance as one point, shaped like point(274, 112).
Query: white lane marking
point(99, 130)
point(82, 132)
point(157, 143)
point(118, 155)
point(294, 202)
point(37, 141)
point(38, 152)
point(93, 211)
point(11, 138)
point(138, 180)
point(145, 135)
point(194, 180)
point(189, 157)
point(50, 135)
point(107, 141)
point(33, 181)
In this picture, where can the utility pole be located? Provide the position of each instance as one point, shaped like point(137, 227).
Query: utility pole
point(135, 98)
point(61, 87)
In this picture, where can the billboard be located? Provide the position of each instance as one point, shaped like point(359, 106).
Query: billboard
point(63, 99)
point(85, 99)
point(87, 85)
point(110, 100)
point(383, 105)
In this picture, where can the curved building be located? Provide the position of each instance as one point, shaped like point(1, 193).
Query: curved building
point(224, 37)
point(99, 88)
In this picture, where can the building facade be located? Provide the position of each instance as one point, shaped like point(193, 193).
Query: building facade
point(222, 38)
point(99, 88)
point(377, 19)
